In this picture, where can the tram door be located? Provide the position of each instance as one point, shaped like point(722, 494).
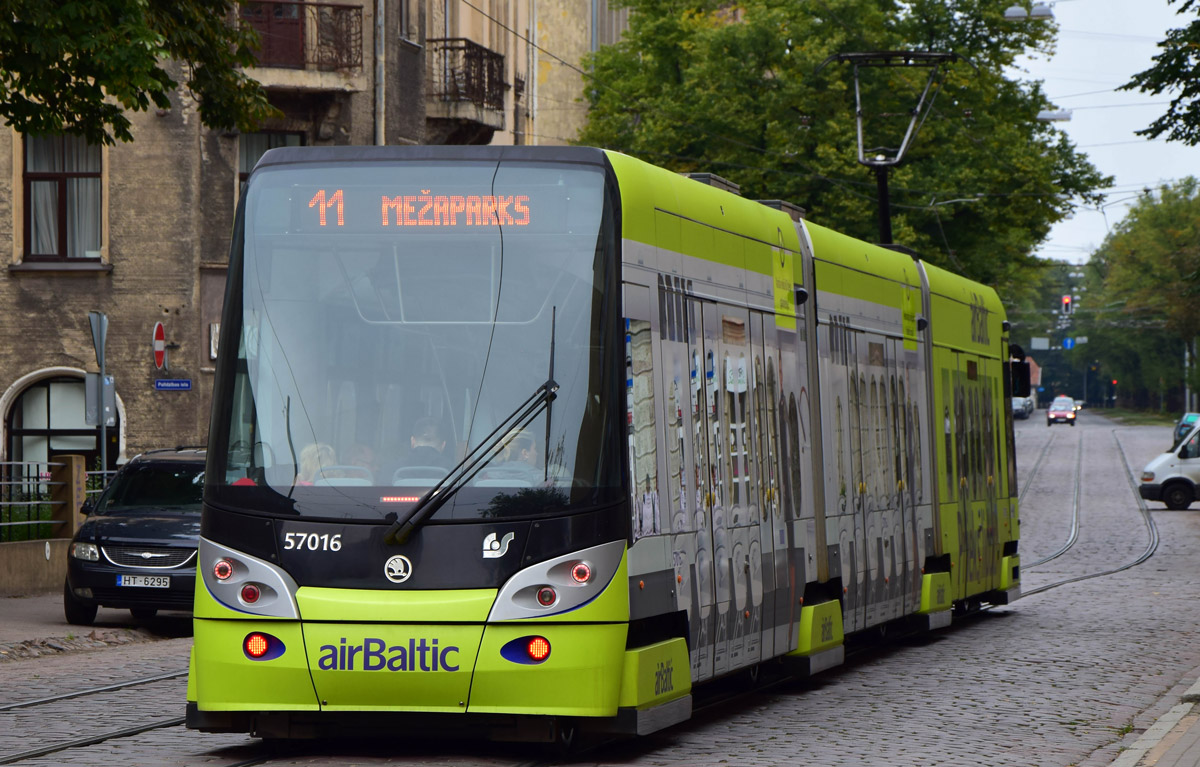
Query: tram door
point(684, 398)
point(744, 523)
point(842, 461)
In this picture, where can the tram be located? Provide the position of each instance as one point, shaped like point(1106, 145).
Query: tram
point(536, 440)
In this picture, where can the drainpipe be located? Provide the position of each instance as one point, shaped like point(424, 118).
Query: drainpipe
point(380, 71)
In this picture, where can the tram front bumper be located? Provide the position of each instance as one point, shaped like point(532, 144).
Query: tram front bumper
point(414, 668)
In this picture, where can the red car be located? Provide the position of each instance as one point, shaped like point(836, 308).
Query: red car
point(1062, 410)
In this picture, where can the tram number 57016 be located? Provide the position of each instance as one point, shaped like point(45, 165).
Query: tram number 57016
point(312, 541)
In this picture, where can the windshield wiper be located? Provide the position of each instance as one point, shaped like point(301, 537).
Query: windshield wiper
point(472, 463)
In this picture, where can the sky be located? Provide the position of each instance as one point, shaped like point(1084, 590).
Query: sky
point(1101, 44)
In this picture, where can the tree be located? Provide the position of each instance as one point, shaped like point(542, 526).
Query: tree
point(1175, 69)
point(702, 85)
point(1150, 267)
point(77, 66)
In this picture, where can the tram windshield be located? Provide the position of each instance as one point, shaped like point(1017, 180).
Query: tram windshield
point(395, 318)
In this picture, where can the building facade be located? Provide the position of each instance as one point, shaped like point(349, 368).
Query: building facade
point(140, 231)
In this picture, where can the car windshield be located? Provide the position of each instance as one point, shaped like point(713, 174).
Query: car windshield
point(1063, 403)
point(154, 487)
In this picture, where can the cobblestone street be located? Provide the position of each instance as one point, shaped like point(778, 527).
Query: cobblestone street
point(1068, 676)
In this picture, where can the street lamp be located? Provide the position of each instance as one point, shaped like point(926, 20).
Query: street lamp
point(1054, 115)
point(1040, 12)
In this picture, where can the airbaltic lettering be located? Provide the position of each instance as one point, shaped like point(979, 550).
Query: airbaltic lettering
point(428, 209)
point(418, 655)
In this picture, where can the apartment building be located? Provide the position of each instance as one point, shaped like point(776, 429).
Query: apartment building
point(140, 231)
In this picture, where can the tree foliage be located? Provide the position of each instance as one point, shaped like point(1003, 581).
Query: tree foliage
point(703, 85)
point(77, 66)
point(1149, 279)
point(1175, 69)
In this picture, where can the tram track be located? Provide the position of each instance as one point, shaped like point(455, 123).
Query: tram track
point(1073, 534)
point(93, 690)
point(1147, 519)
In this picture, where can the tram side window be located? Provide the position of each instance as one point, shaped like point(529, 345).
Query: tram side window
point(898, 452)
point(794, 455)
point(948, 436)
point(643, 462)
point(856, 471)
point(699, 438)
point(762, 493)
point(773, 433)
point(677, 478)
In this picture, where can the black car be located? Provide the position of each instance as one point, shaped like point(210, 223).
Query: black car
point(137, 548)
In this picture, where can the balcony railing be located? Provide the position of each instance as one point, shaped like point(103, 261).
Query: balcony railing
point(462, 70)
point(299, 35)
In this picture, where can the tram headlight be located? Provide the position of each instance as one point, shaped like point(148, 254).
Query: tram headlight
point(85, 551)
point(581, 572)
point(223, 569)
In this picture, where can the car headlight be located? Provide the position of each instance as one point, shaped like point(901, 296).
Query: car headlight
point(85, 551)
point(1147, 476)
point(1071, 415)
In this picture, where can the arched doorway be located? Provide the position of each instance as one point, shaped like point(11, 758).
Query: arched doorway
point(46, 418)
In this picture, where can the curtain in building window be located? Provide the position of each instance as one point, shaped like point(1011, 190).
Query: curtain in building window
point(83, 198)
point(43, 155)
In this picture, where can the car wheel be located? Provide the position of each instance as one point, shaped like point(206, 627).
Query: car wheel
point(76, 611)
point(1178, 496)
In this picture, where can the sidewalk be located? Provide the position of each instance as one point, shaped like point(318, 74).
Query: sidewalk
point(32, 626)
point(1172, 741)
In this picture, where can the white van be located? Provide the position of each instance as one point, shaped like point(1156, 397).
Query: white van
point(1174, 476)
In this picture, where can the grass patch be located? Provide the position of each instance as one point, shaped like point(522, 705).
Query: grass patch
point(1128, 417)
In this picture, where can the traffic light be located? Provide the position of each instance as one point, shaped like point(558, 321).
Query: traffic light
point(1114, 382)
point(1066, 304)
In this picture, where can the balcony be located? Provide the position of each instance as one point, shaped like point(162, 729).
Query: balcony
point(466, 92)
point(308, 46)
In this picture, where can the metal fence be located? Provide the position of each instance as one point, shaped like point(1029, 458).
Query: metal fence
point(26, 509)
point(463, 70)
point(299, 35)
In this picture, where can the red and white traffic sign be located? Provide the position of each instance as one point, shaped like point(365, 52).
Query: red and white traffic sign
point(160, 345)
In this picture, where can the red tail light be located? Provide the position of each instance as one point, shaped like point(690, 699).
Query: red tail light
point(223, 569)
point(538, 648)
point(250, 593)
point(257, 645)
point(547, 596)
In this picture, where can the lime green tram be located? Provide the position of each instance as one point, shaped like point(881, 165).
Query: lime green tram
point(537, 439)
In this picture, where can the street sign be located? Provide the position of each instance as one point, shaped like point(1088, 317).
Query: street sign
point(1039, 343)
point(173, 384)
point(91, 400)
point(99, 323)
point(160, 345)
point(1081, 339)
point(1068, 343)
